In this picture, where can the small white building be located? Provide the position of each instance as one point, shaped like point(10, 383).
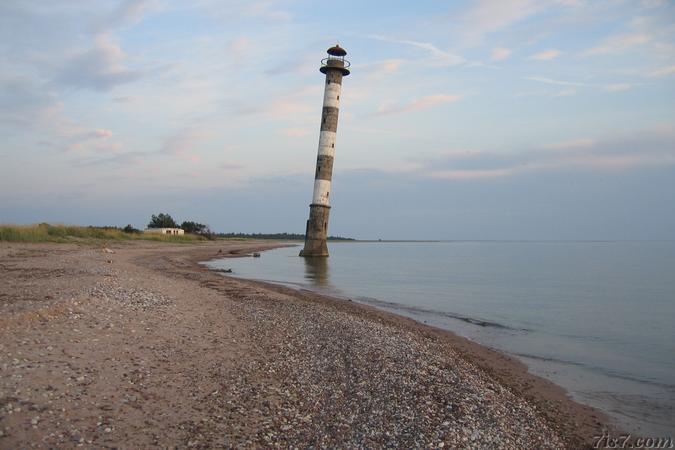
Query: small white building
point(171, 231)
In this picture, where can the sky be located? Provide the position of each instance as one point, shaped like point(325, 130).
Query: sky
point(484, 119)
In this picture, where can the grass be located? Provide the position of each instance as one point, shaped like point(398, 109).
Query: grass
point(45, 232)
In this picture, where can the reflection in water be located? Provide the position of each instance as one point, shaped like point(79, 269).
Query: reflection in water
point(316, 271)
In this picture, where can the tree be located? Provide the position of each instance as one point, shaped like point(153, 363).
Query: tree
point(130, 229)
point(194, 227)
point(162, 220)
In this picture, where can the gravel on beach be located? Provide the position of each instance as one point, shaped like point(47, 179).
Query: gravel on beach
point(144, 348)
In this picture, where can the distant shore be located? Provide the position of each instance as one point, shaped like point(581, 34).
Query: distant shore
point(146, 347)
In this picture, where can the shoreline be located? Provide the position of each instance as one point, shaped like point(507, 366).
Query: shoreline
point(576, 420)
point(149, 333)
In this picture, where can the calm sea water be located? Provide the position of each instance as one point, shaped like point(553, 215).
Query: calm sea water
point(595, 317)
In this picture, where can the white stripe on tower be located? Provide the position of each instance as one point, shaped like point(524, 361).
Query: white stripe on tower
point(331, 95)
point(321, 192)
point(327, 143)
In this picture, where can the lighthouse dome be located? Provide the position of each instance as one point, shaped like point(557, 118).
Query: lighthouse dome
point(337, 51)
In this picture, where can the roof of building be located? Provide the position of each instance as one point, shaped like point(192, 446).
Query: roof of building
point(337, 51)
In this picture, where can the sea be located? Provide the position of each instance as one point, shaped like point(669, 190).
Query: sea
point(597, 318)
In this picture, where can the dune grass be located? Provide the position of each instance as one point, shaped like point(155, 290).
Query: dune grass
point(45, 232)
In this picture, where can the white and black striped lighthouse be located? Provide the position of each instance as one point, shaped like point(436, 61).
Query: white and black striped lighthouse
point(335, 67)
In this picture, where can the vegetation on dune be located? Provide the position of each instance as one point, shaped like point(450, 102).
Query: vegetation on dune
point(195, 227)
point(162, 220)
point(194, 232)
point(45, 232)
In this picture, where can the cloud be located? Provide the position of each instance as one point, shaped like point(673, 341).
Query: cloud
point(288, 105)
point(649, 4)
point(663, 72)
point(295, 132)
point(500, 54)
point(646, 149)
point(437, 56)
point(556, 82)
point(101, 133)
point(230, 166)
point(566, 93)
point(127, 159)
point(100, 68)
point(618, 44)
point(485, 17)
point(128, 12)
point(267, 10)
point(618, 87)
point(546, 55)
point(611, 87)
point(470, 174)
point(79, 139)
point(185, 144)
point(380, 69)
point(239, 46)
point(419, 104)
point(27, 104)
point(237, 10)
point(571, 145)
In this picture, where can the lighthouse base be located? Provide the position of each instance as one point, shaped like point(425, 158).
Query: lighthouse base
point(316, 231)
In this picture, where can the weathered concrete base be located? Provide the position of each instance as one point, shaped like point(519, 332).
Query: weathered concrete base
point(316, 231)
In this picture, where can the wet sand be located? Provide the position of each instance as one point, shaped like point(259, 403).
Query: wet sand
point(145, 347)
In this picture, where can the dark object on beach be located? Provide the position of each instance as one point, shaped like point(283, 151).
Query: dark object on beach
point(223, 270)
point(220, 251)
point(256, 255)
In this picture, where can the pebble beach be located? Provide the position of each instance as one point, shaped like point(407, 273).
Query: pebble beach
point(138, 345)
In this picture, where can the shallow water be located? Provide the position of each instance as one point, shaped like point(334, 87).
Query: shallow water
point(594, 317)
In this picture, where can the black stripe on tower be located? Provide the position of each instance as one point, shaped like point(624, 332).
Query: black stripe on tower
point(324, 168)
point(333, 76)
point(329, 118)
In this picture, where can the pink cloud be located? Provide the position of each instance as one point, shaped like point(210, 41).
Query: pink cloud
point(572, 144)
point(639, 150)
point(419, 104)
point(616, 162)
point(500, 54)
point(102, 133)
point(292, 103)
point(471, 174)
point(287, 106)
point(546, 55)
point(663, 72)
point(230, 166)
point(618, 44)
point(80, 139)
point(184, 144)
point(295, 132)
point(385, 67)
point(618, 87)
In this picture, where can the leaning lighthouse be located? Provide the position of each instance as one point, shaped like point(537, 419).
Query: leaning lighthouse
point(335, 67)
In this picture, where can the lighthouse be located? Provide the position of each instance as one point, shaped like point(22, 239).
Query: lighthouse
point(335, 67)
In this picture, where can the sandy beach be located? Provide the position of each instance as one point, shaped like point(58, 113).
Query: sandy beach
point(140, 346)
